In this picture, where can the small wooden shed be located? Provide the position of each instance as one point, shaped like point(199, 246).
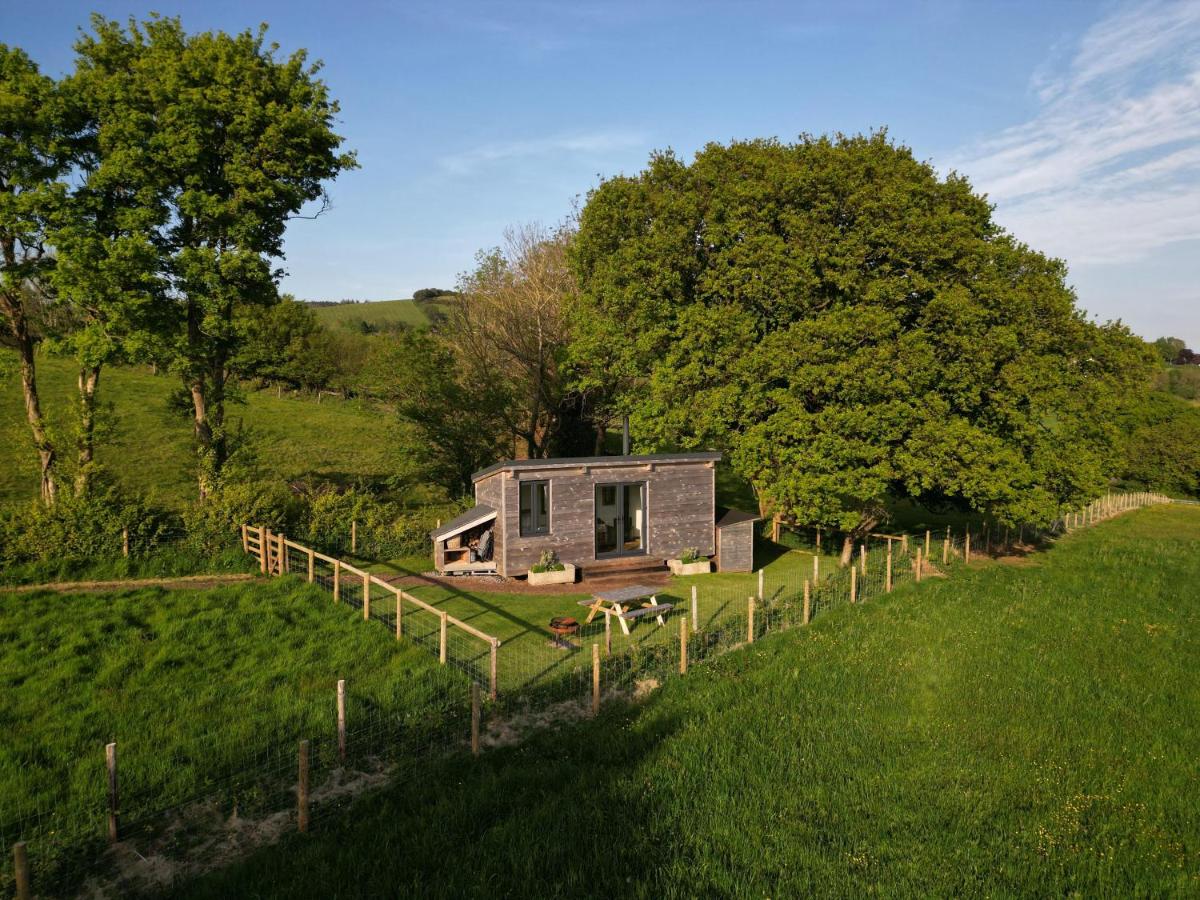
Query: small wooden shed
point(735, 540)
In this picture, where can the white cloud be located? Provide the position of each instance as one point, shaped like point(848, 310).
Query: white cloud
point(569, 145)
point(1108, 168)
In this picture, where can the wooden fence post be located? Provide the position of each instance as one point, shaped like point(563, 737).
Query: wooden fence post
point(399, 614)
point(262, 550)
point(904, 543)
point(474, 719)
point(595, 679)
point(750, 620)
point(816, 568)
point(354, 535)
point(818, 539)
point(125, 542)
point(283, 556)
point(862, 559)
point(683, 631)
point(21, 872)
point(695, 611)
point(302, 791)
point(946, 547)
point(760, 584)
point(887, 575)
point(442, 638)
point(807, 602)
point(494, 686)
point(917, 569)
point(341, 718)
point(607, 634)
point(853, 584)
point(312, 564)
point(337, 581)
point(114, 798)
point(265, 548)
point(927, 543)
point(245, 539)
point(366, 597)
point(967, 548)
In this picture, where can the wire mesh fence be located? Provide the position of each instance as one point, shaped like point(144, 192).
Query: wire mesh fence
point(240, 788)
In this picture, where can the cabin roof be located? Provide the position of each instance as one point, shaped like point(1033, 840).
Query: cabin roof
point(727, 517)
point(477, 515)
point(568, 462)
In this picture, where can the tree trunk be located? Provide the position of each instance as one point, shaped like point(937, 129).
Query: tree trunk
point(19, 327)
point(866, 524)
point(89, 381)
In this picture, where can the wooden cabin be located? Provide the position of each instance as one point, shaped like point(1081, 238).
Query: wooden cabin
point(599, 513)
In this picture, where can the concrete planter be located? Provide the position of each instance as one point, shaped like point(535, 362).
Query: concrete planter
point(701, 567)
point(566, 576)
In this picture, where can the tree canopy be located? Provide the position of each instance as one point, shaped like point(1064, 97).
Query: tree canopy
point(849, 327)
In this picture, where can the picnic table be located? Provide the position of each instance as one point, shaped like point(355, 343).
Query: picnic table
point(628, 604)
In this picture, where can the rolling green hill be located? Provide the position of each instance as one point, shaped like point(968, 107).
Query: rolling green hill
point(1020, 729)
point(147, 446)
point(376, 313)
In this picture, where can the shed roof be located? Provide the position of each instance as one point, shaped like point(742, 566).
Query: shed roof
point(727, 517)
point(477, 515)
point(566, 462)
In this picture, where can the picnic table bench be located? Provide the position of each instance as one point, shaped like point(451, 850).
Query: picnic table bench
point(628, 604)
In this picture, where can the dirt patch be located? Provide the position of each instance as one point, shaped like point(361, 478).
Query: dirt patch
point(192, 582)
point(225, 839)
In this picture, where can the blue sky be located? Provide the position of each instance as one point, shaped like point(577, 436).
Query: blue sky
point(1080, 120)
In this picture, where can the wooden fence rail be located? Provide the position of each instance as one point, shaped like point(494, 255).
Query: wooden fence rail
point(271, 551)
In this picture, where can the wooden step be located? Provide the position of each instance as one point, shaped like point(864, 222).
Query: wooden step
point(621, 565)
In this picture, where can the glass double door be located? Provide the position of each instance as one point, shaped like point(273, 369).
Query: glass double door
point(620, 519)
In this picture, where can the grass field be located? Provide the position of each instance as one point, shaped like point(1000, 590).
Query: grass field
point(1022, 728)
point(147, 447)
point(376, 312)
point(196, 687)
point(520, 620)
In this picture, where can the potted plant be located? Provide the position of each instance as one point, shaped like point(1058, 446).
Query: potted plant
point(690, 562)
point(550, 570)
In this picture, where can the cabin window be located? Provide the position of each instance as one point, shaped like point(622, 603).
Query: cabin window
point(535, 507)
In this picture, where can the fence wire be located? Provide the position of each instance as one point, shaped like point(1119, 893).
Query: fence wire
point(233, 779)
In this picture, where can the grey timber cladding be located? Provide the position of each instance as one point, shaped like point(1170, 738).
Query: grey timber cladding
point(735, 543)
point(489, 491)
point(680, 506)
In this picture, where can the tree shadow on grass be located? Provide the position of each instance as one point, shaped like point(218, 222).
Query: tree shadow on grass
point(558, 816)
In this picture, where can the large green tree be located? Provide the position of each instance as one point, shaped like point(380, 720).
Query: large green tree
point(231, 141)
point(34, 157)
point(849, 327)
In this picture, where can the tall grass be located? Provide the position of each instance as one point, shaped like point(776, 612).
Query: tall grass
point(1026, 728)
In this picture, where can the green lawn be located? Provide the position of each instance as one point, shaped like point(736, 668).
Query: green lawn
point(376, 312)
point(1018, 729)
point(527, 658)
point(147, 447)
point(203, 691)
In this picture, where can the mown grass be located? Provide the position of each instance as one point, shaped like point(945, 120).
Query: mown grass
point(1026, 729)
point(147, 447)
point(376, 312)
point(528, 658)
point(196, 687)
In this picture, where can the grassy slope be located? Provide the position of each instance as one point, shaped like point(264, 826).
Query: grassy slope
point(1020, 729)
point(149, 448)
point(191, 684)
point(377, 312)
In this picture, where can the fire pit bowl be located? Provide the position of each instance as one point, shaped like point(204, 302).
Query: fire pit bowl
point(563, 627)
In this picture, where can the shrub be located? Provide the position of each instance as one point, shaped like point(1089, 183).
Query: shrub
point(548, 562)
point(691, 555)
point(80, 528)
point(211, 525)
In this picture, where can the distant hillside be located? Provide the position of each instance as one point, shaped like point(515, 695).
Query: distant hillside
point(378, 314)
